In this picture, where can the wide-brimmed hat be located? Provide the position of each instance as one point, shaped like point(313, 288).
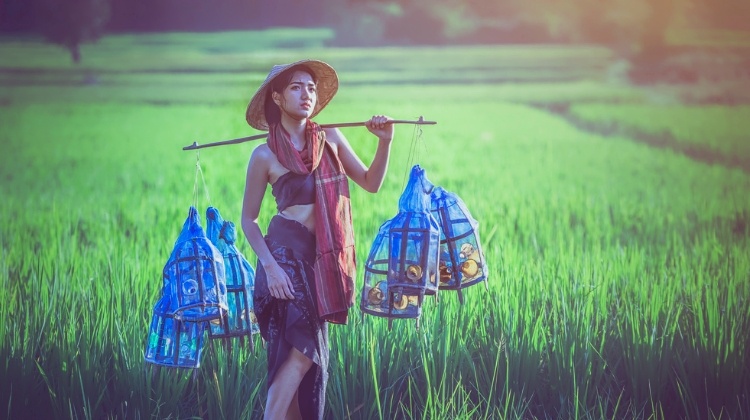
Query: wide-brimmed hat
point(327, 85)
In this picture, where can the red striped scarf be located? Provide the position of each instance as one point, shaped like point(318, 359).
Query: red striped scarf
point(335, 263)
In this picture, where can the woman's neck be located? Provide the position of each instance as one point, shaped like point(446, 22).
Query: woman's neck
point(296, 130)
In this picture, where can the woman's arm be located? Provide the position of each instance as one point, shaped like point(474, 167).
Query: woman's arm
point(279, 284)
point(371, 179)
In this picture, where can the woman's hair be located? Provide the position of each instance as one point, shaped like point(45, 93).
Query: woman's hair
point(270, 109)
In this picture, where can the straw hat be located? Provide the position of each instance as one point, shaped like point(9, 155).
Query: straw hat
point(328, 84)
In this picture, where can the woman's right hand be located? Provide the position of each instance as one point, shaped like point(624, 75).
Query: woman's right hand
point(279, 284)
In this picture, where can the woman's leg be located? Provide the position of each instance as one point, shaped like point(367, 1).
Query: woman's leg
point(282, 391)
point(294, 413)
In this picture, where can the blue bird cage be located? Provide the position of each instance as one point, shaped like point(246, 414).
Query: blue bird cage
point(403, 263)
point(194, 276)
point(173, 342)
point(240, 320)
point(193, 293)
point(462, 262)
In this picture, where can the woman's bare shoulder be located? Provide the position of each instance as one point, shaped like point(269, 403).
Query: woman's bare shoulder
point(262, 154)
point(264, 161)
point(261, 159)
point(334, 137)
point(333, 134)
point(261, 151)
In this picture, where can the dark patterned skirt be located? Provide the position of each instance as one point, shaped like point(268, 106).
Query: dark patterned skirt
point(294, 323)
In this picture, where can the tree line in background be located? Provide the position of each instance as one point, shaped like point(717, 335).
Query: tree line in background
point(631, 27)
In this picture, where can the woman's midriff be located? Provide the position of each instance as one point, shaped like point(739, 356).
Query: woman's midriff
point(301, 213)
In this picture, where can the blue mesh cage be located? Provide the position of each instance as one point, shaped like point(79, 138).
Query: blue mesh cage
point(378, 297)
point(173, 342)
point(403, 263)
point(194, 277)
point(413, 244)
point(240, 281)
point(462, 262)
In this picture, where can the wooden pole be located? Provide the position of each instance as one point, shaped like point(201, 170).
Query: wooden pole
point(195, 145)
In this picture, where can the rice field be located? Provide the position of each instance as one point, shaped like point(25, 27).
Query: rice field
point(707, 132)
point(619, 279)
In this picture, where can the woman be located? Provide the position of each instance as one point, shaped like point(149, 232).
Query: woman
point(306, 267)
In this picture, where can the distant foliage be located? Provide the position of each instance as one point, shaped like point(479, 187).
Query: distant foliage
point(70, 23)
point(635, 29)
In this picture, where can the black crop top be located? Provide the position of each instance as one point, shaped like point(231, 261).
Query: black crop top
point(293, 189)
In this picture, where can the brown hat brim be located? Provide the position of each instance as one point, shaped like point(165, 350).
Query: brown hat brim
point(327, 85)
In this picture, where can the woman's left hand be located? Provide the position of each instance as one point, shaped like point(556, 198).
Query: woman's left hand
point(381, 126)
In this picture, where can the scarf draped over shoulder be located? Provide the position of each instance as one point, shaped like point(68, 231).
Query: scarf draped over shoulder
point(335, 265)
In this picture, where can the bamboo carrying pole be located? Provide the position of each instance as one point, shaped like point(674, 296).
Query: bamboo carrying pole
point(195, 145)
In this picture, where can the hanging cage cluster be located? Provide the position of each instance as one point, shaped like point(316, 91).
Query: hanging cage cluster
point(207, 285)
point(431, 244)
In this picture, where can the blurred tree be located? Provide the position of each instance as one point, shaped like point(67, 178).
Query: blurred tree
point(634, 28)
point(724, 14)
point(15, 16)
point(653, 40)
point(70, 23)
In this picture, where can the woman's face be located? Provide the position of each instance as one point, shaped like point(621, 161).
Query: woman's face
point(299, 98)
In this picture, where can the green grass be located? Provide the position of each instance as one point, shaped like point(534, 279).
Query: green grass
point(720, 129)
point(618, 272)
